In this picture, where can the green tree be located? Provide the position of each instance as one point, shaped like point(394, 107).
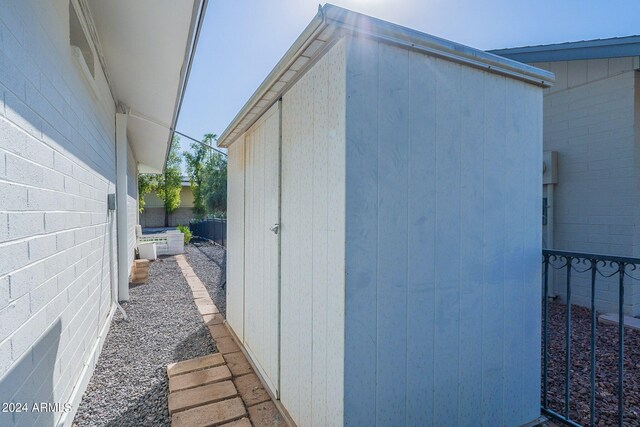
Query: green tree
point(215, 185)
point(146, 184)
point(170, 182)
point(197, 160)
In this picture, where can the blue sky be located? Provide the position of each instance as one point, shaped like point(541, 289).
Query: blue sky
point(242, 40)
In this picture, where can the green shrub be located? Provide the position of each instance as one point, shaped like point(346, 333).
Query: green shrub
point(187, 233)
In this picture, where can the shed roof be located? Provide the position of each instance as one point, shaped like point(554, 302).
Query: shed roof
point(329, 24)
point(616, 47)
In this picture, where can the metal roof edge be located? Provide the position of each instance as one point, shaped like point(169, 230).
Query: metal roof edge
point(363, 25)
point(615, 47)
point(417, 40)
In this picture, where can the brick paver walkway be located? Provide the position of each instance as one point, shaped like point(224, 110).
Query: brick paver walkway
point(219, 389)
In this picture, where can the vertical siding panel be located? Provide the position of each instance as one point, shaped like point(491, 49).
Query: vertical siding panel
point(261, 274)
point(248, 223)
point(447, 275)
point(312, 244)
point(235, 244)
point(288, 346)
point(251, 241)
point(335, 194)
point(320, 242)
point(493, 252)
point(271, 294)
point(305, 322)
point(421, 241)
point(290, 253)
point(471, 244)
point(256, 307)
point(393, 127)
point(361, 233)
point(532, 133)
point(514, 262)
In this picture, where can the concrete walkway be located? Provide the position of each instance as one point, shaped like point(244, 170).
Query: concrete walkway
point(219, 389)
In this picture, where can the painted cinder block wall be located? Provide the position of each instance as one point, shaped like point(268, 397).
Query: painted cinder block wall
point(153, 213)
point(57, 238)
point(591, 120)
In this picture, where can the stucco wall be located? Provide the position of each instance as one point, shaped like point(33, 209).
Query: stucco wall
point(589, 120)
point(153, 213)
point(154, 217)
point(443, 242)
point(57, 165)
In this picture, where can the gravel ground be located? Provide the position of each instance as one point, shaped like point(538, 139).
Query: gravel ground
point(208, 260)
point(129, 386)
point(606, 368)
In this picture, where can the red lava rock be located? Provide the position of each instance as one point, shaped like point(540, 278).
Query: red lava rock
point(606, 392)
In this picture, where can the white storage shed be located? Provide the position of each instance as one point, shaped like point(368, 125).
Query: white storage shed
point(384, 227)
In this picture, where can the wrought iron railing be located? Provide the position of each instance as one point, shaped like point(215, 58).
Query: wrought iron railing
point(598, 267)
point(210, 228)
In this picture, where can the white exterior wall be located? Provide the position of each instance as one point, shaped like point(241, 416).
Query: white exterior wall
point(261, 272)
point(589, 120)
point(57, 165)
point(313, 214)
point(132, 206)
point(443, 242)
point(312, 241)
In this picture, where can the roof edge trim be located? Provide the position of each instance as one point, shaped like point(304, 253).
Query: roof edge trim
point(316, 25)
point(616, 47)
point(358, 24)
point(197, 19)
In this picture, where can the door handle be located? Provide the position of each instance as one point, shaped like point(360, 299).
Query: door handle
point(275, 228)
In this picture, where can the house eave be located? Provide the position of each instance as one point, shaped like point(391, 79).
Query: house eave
point(146, 51)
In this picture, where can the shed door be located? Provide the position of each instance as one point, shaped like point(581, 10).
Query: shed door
point(262, 246)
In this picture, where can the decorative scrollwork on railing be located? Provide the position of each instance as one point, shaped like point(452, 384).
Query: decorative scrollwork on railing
point(604, 266)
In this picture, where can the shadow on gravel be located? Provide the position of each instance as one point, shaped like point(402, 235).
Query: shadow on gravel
point(148, 411)
point(151, 409)
point(184, 350)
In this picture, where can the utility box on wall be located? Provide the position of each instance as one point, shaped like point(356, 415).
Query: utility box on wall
point(550, 167)
point(384, 233)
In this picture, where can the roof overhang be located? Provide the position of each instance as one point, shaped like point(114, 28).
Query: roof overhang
point(617, 47)
point(329, 25)
point(146, 46)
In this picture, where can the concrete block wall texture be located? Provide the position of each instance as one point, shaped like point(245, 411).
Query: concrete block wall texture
point(152, 200)
point(57, 166)
point(154, 217)
point(591, 120)
point(153, 213)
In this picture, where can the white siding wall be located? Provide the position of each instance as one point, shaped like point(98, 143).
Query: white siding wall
point(57, 165)
point(312, 287)
point(261, 279)
point(132, 205)
point(235, 242)
point(443, 232)
point(589, 121)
